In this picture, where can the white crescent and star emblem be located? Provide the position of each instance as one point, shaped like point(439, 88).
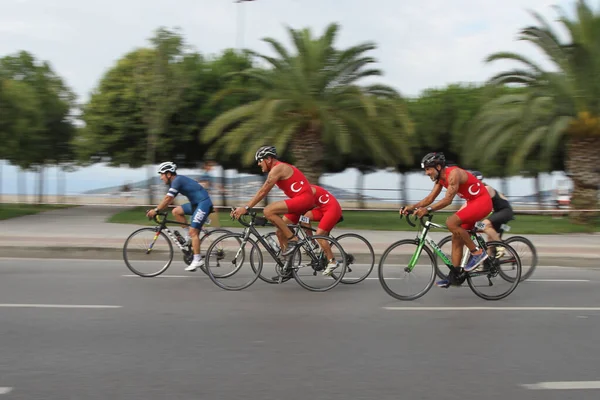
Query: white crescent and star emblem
point(478, 189)
point(296, 190)
point(321, 200)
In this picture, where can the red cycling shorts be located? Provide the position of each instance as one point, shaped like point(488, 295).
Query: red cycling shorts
point(300, 204)
point(328, 216)
point(475, 210)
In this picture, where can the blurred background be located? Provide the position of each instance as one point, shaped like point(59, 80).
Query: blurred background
point(91, 103)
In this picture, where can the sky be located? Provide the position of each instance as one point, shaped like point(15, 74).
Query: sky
point(420, 44)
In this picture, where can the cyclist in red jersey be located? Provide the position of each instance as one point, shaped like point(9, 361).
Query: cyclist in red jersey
point(459, 182)
point(328, 213)
point(292, 182)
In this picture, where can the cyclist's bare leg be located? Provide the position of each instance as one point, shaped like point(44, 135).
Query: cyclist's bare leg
point(490, 231)
point(280, 234)
point(323, 243)
point(272, 212)
point(180, 216)
point(460, 236)
point(195, 235)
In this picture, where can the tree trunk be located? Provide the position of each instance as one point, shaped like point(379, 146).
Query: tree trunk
point(538, 190)
point(309, 155)
point(504, 185)
point(404, 185)
point(360, 183)
point(20, 186)
point(40, 199)
point(581, 162)
point(223, 187)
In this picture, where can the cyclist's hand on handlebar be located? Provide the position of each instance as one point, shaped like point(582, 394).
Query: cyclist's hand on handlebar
point(421, 212)
point(151, 214)
point(238, 212)
point(406, 210)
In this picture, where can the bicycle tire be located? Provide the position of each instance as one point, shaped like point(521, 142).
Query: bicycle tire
point(442, 274)
point(154, 232)
point(526, 272)
point(387, 288)
point(208, 234)
point(211, 253)
point(514, 281)
point(262, 275)
point(350, 260)
point(319, 263)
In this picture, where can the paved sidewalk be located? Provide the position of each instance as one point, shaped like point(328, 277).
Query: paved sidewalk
point(83, 232)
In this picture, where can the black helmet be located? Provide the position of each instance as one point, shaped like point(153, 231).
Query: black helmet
point(433, 159)
point(477, 174)
point(265, 151)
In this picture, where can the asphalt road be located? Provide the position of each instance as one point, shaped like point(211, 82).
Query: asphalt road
point(84, 329)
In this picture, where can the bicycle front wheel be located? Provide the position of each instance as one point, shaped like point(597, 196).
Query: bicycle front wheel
point(148, 252)
point(399, 278)
point(359, 256)
point(225, 267)
point(311, 274)
point(527, 254)
point(496, 277)
point(206, 240)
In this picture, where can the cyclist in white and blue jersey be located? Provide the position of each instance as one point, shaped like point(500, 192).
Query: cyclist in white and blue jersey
point(199, 206)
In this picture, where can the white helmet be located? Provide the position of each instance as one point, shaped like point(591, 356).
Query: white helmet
point(265, 151)
point(167, 166)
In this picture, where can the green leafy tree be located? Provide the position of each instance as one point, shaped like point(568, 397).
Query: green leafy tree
point(568, 98)
point(309, 103)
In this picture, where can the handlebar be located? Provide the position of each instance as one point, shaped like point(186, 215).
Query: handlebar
point(255, 219)
point(413, 224)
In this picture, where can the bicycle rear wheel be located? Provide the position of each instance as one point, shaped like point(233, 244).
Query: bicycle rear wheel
point(395, 276)
point(310, 274)
point(206, 240)
point(527, 254)
point(496, 277)
point(148, 252)
point(225, 267)
point(359, 256)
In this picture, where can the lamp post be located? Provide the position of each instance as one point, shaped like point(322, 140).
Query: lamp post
point(240, 24)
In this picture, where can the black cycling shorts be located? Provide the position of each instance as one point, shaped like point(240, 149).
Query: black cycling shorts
point(500, 217)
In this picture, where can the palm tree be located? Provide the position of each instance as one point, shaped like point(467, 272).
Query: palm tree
point(309, 103)
point(562, 103)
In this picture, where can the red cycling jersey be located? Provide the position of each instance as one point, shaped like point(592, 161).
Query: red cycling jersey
point(479, 202)
point(295, 185)
point(298, 189)
point(469, 190)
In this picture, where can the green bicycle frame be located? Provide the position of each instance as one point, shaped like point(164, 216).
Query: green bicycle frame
point(436, 249)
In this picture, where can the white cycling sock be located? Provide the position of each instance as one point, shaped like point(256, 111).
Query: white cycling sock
point(197, 257)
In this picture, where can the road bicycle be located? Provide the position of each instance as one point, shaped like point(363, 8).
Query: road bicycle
point(360, 255)
point(305, 264)
point(413, 262)
point(523, 246)
point(148, 252)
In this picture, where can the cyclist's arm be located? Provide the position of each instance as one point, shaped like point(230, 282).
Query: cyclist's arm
point(451, 191)
point(165, 203)
point(437, 189)
point(274, 175)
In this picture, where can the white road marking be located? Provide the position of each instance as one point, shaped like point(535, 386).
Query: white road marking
point(167, 276)
point(5, 390)
point(87, 306)
point(557, 280)
point(563, 385)
point(492, 308)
